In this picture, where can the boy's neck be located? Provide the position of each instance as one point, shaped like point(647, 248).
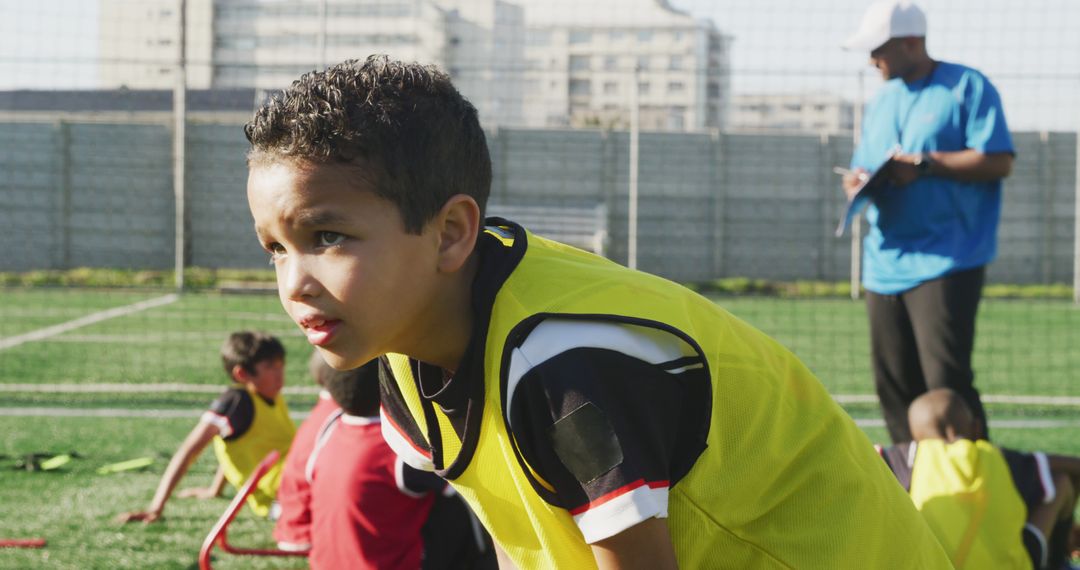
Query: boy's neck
point(447, 332)
point(250, 387)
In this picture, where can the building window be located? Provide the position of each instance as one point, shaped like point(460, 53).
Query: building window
point(643, 62)
point(675, 63)
point(616, 35)
point(644, 35)
point(611, 63)
point(678, 35)
point(580, 36)
point(611, 87)
point(580, 87)
point(643, 88)
point(579, 63)
point(713, 90)
point(538, 37)
point(676, 87)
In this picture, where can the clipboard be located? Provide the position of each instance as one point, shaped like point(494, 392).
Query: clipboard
point(874, 185)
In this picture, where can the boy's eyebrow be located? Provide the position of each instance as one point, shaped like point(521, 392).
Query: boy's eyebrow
point(309, 218)
point(318, 218)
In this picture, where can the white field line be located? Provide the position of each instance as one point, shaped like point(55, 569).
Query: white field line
point(110, 413)
point(1038, 400)
point(128, 388)
point(116, 388)
point(997, 424)
point(90, 319)
point(56, 412)
point(174, 314)
point(154, 338)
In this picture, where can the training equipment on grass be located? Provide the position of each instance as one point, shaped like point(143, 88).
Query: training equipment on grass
point(42, 461)
point(22, 543)
point(56, 462)
point(129, 465)
point(217, 532)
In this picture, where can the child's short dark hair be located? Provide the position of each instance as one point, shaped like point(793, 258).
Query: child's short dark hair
point(356, 390)
point(403, 123)
point(248, 348)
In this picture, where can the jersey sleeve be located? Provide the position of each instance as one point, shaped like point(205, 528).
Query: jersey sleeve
point(1031, 476)
point(985, 128)
point(610, 416)
point(415, 482)
point(232, 413)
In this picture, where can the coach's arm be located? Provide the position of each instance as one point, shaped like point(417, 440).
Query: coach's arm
point(967, 165)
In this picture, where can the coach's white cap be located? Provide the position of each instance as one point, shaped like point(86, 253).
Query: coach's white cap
point(886, 20)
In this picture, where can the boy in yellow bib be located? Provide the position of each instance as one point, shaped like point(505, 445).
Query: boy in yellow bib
point(246, 422)
point(990, 507)
point(591, 415)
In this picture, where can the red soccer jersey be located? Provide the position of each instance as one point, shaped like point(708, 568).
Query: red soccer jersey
point(363, 515)
point(293, 528)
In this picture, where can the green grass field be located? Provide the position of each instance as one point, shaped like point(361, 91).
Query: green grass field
point(1025, 348)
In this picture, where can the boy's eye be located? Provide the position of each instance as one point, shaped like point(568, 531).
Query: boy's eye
point(276, 250)
point(327, 239)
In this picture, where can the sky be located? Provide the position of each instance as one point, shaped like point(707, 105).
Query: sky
point(1030, 49)
point(48, 43)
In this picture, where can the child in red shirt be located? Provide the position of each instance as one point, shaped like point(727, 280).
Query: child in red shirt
point(367, 506)
point(293, 528)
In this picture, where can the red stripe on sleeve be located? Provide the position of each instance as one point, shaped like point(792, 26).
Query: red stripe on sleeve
point(607, 497)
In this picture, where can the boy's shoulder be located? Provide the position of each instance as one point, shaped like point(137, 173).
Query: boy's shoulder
point(232, 412)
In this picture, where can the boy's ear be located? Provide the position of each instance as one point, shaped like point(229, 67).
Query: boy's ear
point(239, 375)
point(459, 224)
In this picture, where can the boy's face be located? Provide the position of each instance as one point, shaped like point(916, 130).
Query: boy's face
point(348, 273)
point(269, 377)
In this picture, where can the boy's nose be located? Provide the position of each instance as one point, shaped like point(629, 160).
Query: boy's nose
point(296, 281)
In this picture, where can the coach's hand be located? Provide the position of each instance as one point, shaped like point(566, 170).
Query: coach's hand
point(904, 171)
point(146, 517)
point(852, 181)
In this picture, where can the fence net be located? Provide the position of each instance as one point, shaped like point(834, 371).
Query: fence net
point(744, 108)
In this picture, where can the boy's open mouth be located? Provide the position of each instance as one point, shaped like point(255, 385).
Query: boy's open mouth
point(319, 331)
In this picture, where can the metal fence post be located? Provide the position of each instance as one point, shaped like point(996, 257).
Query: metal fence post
point(179, 140)
point(1076, 222)
point(63, 131)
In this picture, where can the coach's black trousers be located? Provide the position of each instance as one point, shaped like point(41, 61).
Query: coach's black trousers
point(922, 339)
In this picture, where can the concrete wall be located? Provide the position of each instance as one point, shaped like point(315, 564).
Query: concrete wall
point(760, 206)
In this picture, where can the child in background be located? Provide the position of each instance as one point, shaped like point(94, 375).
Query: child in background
point(367, 506)
point(591, 415)
point(245, 423)
point(990, 507)
point(292, 531)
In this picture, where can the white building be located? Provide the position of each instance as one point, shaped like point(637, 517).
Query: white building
point(521, 62)
point(792, 112)
point(140, 43)
point(581, 65)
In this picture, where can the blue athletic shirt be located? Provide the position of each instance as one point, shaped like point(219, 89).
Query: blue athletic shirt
point(935, 225)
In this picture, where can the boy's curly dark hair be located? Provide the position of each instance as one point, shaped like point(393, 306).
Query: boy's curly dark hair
point(403, 123)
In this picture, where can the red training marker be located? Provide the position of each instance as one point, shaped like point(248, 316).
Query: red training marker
point(22, 543)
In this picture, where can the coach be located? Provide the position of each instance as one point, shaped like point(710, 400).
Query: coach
point(933, 232)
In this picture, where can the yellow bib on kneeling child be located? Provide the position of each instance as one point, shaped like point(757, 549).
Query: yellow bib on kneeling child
point(965, 492)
